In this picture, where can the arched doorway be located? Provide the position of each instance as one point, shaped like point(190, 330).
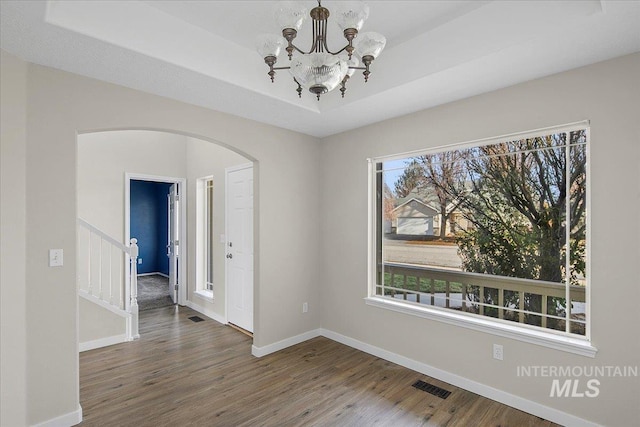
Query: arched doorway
point(106, 159)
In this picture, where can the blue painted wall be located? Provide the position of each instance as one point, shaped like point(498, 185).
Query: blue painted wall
point(149, 223)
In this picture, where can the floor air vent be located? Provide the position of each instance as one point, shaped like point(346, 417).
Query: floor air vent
point(432, 389)
point(196, 319)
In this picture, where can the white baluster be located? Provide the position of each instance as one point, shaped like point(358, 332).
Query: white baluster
point(134, 288)
point(111, 293)
point(100, 292)
point(121, 289)
point(89, 287)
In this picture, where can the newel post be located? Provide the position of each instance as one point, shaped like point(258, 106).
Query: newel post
point(133, 248)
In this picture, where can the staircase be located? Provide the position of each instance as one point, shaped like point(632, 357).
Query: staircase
point(107, 275)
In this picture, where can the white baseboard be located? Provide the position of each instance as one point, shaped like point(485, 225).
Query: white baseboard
point(154, 273)
point(209, 313)
point(66, 420)
point(288, 342)
point(102, 342)
point(517, 402)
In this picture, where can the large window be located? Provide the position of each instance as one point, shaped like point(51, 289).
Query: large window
point(495, 230)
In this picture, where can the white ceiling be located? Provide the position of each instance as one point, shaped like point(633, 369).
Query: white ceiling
point(202, 52)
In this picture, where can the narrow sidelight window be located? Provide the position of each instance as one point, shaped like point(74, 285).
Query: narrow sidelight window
point(204, 237)
point(208, 231)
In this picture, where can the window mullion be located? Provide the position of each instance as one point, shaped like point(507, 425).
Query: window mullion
point(567, 243)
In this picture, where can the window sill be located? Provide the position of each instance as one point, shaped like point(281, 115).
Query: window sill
point(545, 339)
point(204, 294)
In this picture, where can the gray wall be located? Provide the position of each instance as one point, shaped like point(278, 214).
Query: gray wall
point(60, 105)
point(607, 94)
point(105, 157)
point(13, 136)
point(98, 323)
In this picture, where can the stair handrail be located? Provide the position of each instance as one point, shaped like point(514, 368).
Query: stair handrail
point(130, 287)
point(104, 235)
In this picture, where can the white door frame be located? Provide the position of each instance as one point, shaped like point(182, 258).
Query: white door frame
point(174, 260)
point(226, 232)
point(182, 191)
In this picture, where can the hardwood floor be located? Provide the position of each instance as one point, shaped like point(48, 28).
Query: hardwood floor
point(183, 373)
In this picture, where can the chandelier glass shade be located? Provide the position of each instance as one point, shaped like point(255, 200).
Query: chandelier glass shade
point(319, 72)
point(319, 69)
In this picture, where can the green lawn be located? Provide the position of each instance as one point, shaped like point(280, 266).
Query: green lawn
point(421, 284)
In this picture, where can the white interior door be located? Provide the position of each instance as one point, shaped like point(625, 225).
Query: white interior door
point(239, 262)
point(173, 246)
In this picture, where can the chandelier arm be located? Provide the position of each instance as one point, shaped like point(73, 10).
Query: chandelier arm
point(297, 49)
point(317, 37)
point(325, 47)
point(323, 26)
point(314, 37)
point(338, 52)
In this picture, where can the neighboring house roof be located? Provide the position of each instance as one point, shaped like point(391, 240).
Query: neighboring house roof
point(420, 194)
point(414, 208)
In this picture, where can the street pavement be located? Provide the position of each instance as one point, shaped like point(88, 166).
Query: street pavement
point(443, 256)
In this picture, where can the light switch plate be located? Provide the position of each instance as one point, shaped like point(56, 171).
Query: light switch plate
point(56, 257)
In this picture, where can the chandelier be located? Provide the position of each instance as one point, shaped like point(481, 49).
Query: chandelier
point(320, 70)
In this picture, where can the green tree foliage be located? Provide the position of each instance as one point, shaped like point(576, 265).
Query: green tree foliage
point(412, 178)
point(517, 205)
point(501, 246)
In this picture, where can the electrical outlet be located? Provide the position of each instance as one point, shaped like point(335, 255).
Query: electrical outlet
point(139, 260)
point(498, 352)
point(305, 307)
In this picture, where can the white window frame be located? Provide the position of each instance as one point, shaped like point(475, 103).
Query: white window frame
point(525, 333)
point(203, 288)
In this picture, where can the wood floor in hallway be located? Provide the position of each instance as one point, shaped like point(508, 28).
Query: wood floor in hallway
point(182, 373)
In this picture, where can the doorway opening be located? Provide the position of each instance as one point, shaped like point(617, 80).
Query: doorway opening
point(155, 212)
point(108, 162)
